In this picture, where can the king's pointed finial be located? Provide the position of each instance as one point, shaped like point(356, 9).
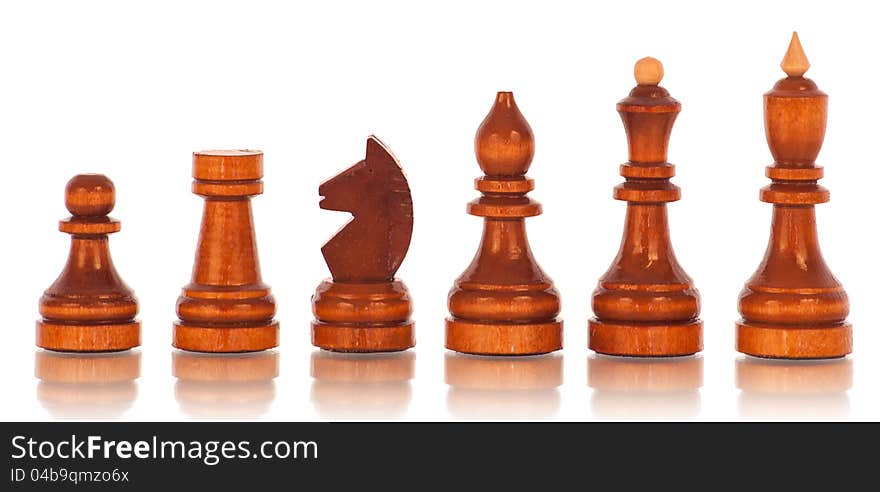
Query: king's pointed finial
point(648, 71)
point(795, 63)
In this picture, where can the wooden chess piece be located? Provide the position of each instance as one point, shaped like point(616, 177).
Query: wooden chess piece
point(89, 308)
point(793, 307)
point(364, 308)
point(226, 307)
point(645, 304)
point(504, 304)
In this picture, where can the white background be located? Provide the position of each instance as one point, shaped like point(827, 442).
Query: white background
point(131, 90)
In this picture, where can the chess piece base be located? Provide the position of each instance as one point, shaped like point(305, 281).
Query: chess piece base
point(62, 337)
point(794, 342)
point(471, 337)
point(646, 339)
point(225, 339)
point(352, 338)
point(362, 317)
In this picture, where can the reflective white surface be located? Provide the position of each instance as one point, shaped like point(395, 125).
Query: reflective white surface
point(87, 386)
point(503, 388)
point(136, 107)
point(225, 386)
point(793, 390)
point(361, 386)
point(627, 388)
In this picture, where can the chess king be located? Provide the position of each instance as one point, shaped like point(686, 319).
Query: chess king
point(793, 307)
point(364, 308)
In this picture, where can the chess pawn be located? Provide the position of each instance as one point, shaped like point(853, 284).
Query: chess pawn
point(793, 307)
point(645, 304)
point(503, 303)
point(89, 308)
point(364, 308)
point(226, 307)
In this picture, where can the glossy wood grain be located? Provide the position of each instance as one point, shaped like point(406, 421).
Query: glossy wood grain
point(89, 308)
point(503, 303)
point(646, 304)
point(793, 307)
point(226, 307)
point(364, 308)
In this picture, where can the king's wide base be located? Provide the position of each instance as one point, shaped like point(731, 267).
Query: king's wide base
point(362, 317)
point(470, 337)
point(796, 342)
point(62, 337)
point(646, 340)
point(225, 339)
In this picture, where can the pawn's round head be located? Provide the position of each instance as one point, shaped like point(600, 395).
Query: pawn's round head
point(90, 195)
point(648, 71)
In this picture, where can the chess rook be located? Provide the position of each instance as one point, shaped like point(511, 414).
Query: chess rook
point(364, 308)
point(226, 307)
point(645, 304)
point(89, 308)
point(503, 303)
point(793, 307)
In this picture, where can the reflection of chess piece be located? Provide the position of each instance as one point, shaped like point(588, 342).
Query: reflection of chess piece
point(226, 307)
point(364, 308)
point(362, 386)
point(645, 388)
point(646, 304)
point(87, 386)
point(89, 308)
point(503, 388)
point(793, 390)
point(793, 307)
point(503, 303)
point(225, 385)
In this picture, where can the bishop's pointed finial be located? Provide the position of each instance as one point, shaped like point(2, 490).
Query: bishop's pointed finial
point(504, 143)
point(795, 63)
point(648, 71)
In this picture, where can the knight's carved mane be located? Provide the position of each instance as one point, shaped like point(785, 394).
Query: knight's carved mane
point(372, 245)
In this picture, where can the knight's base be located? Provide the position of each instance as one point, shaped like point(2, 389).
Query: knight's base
point(353, 338)
point(646, 339)
point(225, 339)
point(362, 317)
point(794, 342)
point(63, 337)
point(471, 337)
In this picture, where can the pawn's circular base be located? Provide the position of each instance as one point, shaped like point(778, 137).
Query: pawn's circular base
point(355, 338)
point(62, 337)
point(470, 337)
point(794, 342)
point(225, 339)
point(646, 339)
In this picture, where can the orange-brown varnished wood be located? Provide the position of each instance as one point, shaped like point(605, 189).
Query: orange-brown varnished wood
point(89, 308)
point(503, 303)
point(793, 307)
point(646, 305)
point(364, 308)
point(226, 307)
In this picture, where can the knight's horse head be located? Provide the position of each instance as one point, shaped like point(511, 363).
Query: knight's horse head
point(372, 245)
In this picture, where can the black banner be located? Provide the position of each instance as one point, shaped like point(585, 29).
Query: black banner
point(149, 456)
